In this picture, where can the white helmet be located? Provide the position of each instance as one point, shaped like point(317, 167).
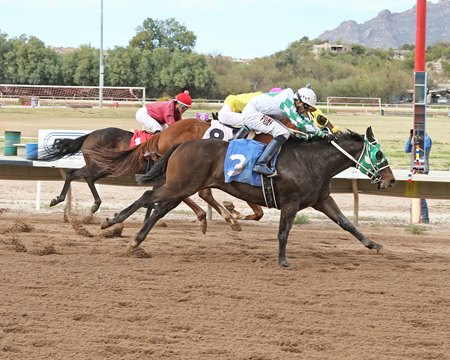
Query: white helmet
point(307, 96)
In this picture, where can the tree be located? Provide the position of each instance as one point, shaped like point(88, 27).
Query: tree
point(28, 61)
point(81, 67)
point(5, 47)
point(187, 71)
point(169, 34)
point(121, 65)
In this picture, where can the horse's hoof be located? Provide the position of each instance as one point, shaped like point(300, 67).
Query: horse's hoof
point(105, 224)
point(228, 205)
point(94, 208)
point(54, 202)
point(203, 226)
point(131, 246)
point(236, 227)
point(379, 249)
point(283, 263)
point(375, 246)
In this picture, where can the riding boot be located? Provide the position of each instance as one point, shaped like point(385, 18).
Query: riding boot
point(242, 133)
point(262, 164)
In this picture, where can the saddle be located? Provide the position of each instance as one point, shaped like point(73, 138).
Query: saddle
point(139, 137)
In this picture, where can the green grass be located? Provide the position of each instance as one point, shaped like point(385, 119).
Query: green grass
point(416, 229)
point(301, 219)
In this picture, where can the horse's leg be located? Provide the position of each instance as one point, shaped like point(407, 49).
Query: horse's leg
point(257, 212)
point(83, 173)
point(256, 216)
point(71, 175)
point(201, 214)
point(330, 209)
point(159, 211)
point(287, 216)
point(125, 213)
point(90, 180)
point(206, 194)
point(232, 210)
point(148, 212)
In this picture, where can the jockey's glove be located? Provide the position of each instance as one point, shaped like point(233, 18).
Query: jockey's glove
point(327, 135)
point(330, 137)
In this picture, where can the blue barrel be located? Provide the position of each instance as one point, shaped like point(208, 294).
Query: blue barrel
point(11, 138)
point(31, 151)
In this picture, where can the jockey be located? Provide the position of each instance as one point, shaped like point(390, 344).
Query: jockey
point(263, 111)
point(231, 112)
point(157, 116)
point(322, 121)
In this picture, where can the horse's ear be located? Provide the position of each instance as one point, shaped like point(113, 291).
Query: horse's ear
point(369, 134)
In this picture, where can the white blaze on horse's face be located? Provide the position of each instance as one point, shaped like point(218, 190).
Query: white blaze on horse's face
point(372, 160)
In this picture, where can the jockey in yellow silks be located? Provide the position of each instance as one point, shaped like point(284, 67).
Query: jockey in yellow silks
point(231, 112)
point(322, 121)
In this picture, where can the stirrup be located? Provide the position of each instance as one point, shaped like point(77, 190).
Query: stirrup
point(265, 170)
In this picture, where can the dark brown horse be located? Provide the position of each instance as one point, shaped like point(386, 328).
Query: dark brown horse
point(305, 172)
point(115, 139)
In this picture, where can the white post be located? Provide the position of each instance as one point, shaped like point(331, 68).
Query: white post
point(102, 69)
point(38, 195)
point(415, 210)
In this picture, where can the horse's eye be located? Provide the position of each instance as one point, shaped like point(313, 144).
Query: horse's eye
point(379, 155)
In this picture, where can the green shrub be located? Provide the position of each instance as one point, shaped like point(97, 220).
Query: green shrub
point(416, 229)
point(301, 219)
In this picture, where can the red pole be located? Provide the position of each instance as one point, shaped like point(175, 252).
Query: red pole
point(418, 158)
point(421, 19)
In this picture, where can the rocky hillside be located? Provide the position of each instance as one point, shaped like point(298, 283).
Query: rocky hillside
point(392, 30)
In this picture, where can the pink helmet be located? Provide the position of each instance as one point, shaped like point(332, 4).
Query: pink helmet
point(276, 89)
point(184, 99)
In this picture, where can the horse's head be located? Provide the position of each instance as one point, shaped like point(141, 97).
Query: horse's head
point(373, 163)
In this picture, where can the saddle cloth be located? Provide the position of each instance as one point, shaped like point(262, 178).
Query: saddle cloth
point(239, 161)
point(218, 130)
point(139, 137)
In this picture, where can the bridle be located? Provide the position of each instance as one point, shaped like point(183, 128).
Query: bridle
point(366, 163)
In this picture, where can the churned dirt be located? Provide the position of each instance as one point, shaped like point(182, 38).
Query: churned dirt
point(69, 290)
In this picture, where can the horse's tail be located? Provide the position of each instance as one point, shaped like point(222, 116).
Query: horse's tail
point(157, 173)
point(63, 147)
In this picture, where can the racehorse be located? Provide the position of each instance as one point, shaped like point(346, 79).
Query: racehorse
point(116, 139)
point(305, 170)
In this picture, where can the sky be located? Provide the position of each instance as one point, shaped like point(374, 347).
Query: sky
point(237, 28)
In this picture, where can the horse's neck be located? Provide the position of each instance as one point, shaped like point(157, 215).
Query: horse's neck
point(151, 145)
point(339, 161)
point(324, 158)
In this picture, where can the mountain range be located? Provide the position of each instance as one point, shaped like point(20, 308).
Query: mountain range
point(392, 30)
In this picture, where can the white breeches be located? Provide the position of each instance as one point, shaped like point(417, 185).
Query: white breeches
point(228, 117)
point(256, 120)
point(148, 122)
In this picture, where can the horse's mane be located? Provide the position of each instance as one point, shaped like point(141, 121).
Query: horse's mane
point(348, 134)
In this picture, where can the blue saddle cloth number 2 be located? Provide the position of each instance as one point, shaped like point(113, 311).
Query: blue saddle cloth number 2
point(239, 161)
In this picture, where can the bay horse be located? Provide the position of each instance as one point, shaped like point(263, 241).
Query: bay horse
point(115, 139)
point(305, 171)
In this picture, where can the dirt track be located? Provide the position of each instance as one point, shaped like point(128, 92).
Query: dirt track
point(69, 290)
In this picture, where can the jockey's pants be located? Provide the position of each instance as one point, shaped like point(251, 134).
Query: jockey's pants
point(260, 122)
point(150, 124)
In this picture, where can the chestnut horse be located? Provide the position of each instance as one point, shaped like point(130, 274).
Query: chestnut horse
point(305, 171)
point(116, 139)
